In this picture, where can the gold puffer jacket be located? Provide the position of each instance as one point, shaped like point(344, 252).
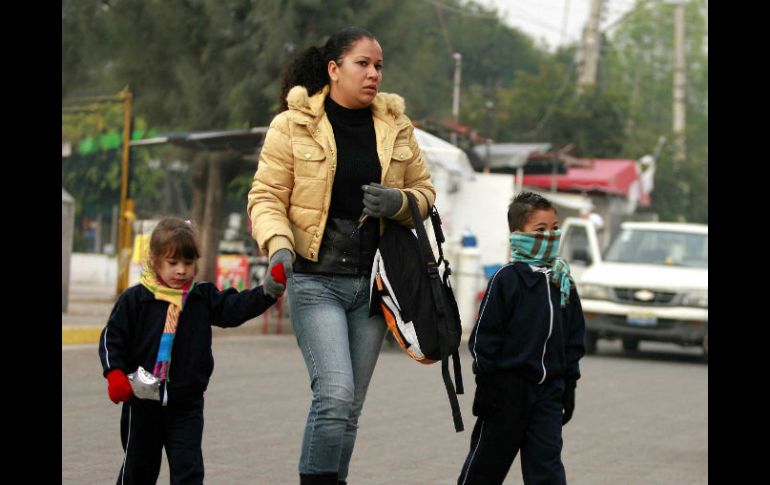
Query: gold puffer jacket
point(289, 198)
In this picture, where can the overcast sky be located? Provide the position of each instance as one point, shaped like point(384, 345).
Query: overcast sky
point(544, 19)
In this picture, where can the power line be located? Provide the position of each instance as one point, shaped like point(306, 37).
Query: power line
point(552, 106)
point(622, 4)
point(534, 20)
point(638, 7)
point(462, 12)
point(444, 30)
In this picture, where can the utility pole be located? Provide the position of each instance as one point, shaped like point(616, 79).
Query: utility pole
point(127, 215)
point(563, 37)
point(212, 216)
point(456, 96)
point(591, 47)
point(680, 85)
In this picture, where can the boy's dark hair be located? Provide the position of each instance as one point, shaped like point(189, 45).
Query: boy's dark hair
point(523, 206)
point(308, 69)
point(173, 237)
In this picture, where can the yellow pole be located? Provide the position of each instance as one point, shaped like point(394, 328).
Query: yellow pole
point(127, 215)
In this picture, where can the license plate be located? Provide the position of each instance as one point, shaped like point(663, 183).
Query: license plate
point(642, 320)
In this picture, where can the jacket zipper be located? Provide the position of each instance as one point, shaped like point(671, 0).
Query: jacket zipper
point(550, 324)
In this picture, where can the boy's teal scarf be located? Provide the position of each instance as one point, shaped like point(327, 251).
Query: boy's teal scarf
point(540, 249)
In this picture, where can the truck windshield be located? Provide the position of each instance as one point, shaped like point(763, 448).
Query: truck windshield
point(665, 248)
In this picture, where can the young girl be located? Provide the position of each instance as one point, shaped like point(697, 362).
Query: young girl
point(163, 326)
point(526, 347)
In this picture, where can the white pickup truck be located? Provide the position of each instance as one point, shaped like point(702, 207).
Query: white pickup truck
point(650, 284)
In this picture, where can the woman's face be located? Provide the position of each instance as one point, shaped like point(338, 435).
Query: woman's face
point(356, 79)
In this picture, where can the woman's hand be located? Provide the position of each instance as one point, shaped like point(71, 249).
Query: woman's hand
point(381, 201)
point(273, 287)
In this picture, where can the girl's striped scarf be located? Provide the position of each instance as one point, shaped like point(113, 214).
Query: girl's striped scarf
point(176, 299)
point(540, 249)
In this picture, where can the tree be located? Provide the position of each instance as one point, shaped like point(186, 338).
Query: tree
point(214, 64)
point(544, 107)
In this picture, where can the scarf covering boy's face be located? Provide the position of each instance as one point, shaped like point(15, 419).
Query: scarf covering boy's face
point(539, 239)
point(535, 247)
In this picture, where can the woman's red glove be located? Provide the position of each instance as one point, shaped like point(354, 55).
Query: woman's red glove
point(118, 386)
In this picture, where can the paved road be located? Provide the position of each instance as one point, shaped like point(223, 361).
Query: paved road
point(639, 420)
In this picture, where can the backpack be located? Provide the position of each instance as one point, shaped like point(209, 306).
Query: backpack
point(417, 302)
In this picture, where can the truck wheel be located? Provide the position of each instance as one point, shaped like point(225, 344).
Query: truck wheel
point(630, 344)
point(590, 342)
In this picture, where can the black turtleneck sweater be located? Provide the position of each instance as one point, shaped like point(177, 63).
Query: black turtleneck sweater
point(357, 161)
point(345, 248)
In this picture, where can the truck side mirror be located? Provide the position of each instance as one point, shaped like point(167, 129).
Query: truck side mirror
point(580, 255)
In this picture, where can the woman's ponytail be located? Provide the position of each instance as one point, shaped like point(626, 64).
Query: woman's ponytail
point(308, 69)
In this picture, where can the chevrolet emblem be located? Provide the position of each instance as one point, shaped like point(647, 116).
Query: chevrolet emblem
point(644, 295)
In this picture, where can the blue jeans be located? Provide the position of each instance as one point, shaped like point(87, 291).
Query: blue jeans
point(340, 344)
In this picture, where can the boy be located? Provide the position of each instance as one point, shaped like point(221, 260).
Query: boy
point(526, 346)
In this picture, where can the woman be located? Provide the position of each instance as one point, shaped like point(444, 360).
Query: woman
point(335, 163)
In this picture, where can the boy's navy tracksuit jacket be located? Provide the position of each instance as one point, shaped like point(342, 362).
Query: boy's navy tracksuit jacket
point(523, 330)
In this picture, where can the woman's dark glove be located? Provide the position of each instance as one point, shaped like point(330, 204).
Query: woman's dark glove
point(381, 201)
point(569, 401)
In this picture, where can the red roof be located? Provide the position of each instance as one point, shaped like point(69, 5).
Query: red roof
point(609, 176)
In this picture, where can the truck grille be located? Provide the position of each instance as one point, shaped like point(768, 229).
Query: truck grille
point(632, 295)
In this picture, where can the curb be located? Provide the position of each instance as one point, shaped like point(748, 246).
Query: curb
point(89, 334)
point(80, 334)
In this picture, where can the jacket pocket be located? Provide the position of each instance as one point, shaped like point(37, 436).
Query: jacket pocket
point(402, 155)
point(308, 160)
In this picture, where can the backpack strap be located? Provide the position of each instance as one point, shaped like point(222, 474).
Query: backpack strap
point(435, 221)
point(441, 308)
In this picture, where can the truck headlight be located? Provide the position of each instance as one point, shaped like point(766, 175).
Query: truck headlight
point(699, 298)
point(596, 292)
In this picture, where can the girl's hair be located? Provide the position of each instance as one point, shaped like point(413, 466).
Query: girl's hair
point(173, 237)
point(523, 206)
point(308, 69)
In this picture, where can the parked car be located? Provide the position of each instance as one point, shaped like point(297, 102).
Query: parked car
point(651, 284)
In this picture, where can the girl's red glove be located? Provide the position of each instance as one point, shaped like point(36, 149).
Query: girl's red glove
point(278, 273)
point(118, 386)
